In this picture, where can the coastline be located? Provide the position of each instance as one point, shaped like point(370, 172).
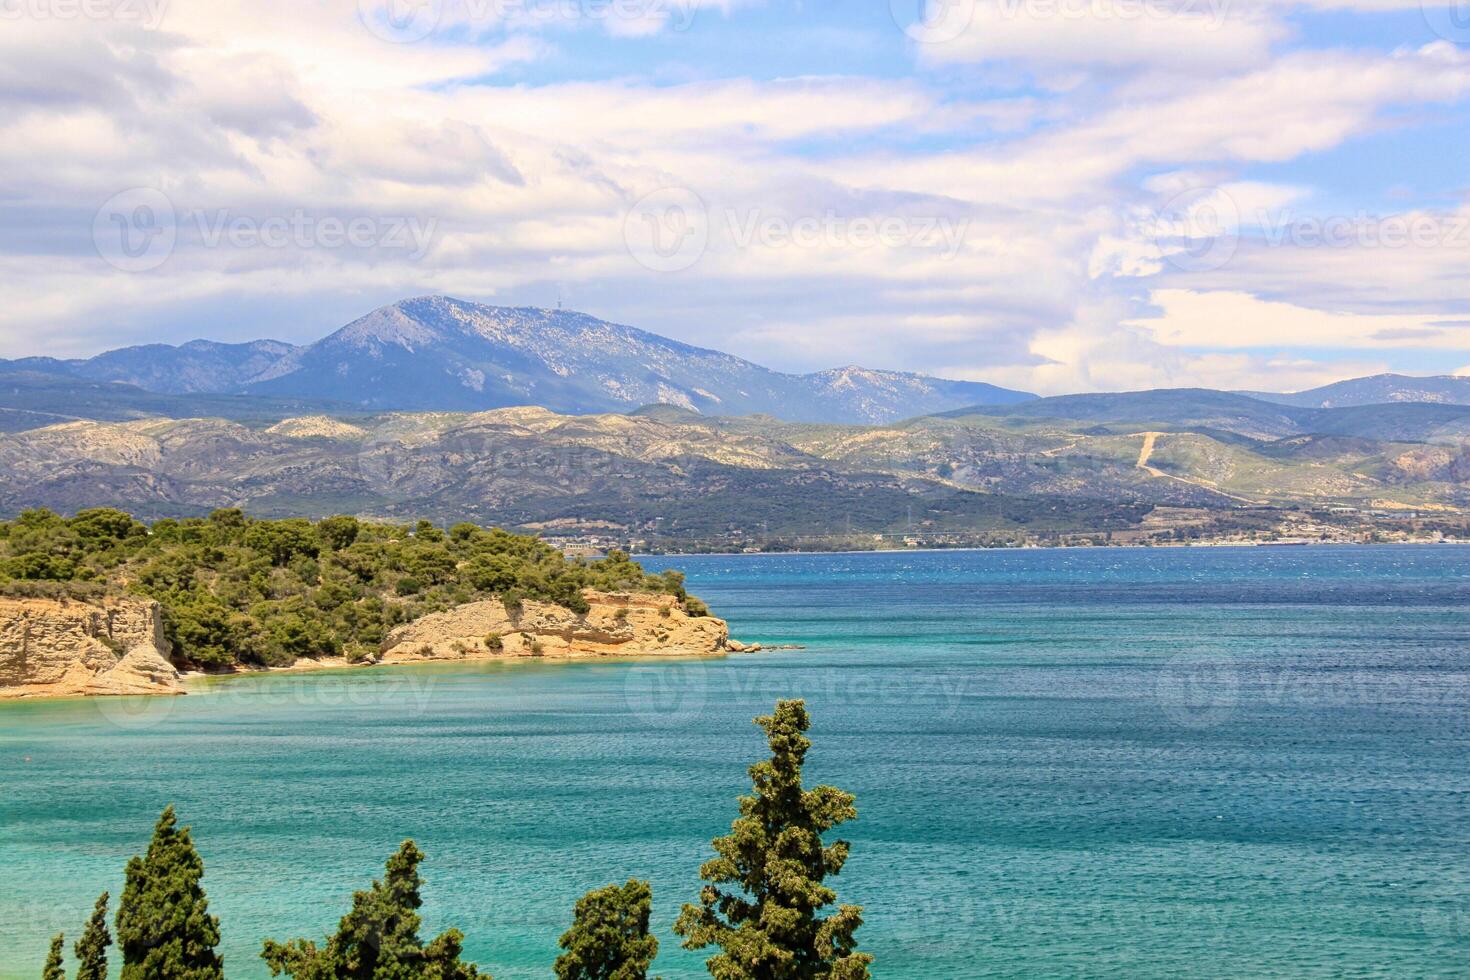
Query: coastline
point(615, 625)
point(199, 679)
point(1172, 545)
point(340, 665)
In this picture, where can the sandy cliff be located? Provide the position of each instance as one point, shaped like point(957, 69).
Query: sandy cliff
point(628, 625)
point(58, 648)
point(61, 648)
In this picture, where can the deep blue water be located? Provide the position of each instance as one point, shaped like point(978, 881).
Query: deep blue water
point(1102, 763)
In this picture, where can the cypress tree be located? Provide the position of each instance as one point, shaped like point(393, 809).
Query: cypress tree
point(379, 938)
point(609, 938)
point(164, 928)
point(53, 969)
point(773, 864)
point(91, 949)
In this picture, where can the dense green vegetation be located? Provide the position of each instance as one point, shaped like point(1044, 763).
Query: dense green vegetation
point(164, 928)
point(767, 918)
point(238, 590)
point(379, 938)
point(91, 949)
point(609, 937)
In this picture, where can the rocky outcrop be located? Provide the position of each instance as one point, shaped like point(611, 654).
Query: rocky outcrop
point(618, 624)
point(61, 648)
point(66, 648)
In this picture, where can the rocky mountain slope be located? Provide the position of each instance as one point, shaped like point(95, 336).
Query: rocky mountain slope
point(200, 366)
point(525, 468)
point(667, 473)
point(435, 353)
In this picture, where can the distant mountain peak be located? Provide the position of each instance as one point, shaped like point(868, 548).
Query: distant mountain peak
point(442, 353)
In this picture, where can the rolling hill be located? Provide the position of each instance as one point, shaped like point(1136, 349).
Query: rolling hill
point(1220, 412)
point(670, 473)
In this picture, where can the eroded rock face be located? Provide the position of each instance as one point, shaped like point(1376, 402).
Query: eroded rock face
point(62, 648)
point(618, 624)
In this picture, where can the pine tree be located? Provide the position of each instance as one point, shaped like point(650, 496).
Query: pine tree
point(379, 938)
point(53, 969)
point(767, 922)
point(164, 928)
point(609, 938)
point(91, 949)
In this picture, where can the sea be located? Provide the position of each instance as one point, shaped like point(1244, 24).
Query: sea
point(1121, 763)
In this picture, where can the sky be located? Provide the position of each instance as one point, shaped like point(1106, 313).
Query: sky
point(1054, 195)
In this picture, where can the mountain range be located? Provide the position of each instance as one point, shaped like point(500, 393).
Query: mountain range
point(435, 353)
point(667, 472)
point(554, 421)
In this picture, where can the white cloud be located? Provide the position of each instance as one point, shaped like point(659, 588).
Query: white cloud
point(1111, 34)
point(1094, 353)
point(266, 108)
point(1188, 318)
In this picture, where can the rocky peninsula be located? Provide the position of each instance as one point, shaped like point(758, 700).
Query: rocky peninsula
point(100, 603)
point(68, 648)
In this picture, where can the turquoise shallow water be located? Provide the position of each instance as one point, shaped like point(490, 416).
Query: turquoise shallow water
point(1102, 763)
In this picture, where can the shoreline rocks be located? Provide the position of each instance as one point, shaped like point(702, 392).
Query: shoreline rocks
point(57, 648)
point(617, 625)
point(68, 648)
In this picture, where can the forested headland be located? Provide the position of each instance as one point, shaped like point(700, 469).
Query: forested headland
point(240, 591)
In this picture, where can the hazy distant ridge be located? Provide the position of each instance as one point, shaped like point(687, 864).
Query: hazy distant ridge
point(435, 353)
point(1381, 389)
